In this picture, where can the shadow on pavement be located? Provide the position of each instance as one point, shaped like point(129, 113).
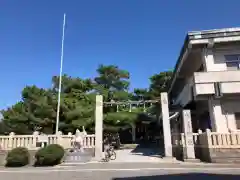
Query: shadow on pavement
point(148, 150)
point(190, 176)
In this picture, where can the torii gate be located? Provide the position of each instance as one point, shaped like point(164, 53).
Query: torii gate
point(99, 126)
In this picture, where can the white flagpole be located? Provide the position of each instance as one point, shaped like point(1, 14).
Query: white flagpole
point(60, 76)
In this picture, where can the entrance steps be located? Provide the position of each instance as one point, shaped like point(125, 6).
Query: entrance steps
point(77, 156)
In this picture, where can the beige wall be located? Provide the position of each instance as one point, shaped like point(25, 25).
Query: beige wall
point(214, 59)
point(215, 71)
point(221, 111)
point(218, 118)
point(229, 108)
point(222, 114)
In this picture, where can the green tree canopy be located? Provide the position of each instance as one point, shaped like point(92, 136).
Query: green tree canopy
point(159, 83)
point(37, 109)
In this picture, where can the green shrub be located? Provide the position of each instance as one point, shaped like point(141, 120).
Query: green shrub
point(49, 156)
point(17, 157)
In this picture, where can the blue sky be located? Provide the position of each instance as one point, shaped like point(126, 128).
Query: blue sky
point(141, 36)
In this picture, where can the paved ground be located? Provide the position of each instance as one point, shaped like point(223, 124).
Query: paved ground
point(139, 155)
point(125, 171)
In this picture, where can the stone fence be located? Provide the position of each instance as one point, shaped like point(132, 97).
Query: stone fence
point(209, 146)
point(32, 141)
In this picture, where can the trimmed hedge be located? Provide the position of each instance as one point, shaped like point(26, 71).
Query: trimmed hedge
point(49, 156)
point(17, 157)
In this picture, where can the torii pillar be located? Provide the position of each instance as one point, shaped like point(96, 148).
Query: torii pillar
point(99, 127)
point(166, 125)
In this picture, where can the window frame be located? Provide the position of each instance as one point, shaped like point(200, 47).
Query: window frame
point(228, 62)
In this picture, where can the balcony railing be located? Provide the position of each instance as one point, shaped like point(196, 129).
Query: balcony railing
point(229, 82)
point(216, 76)
point(202, 83)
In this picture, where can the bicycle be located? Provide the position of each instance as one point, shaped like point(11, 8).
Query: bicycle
point(76, 146)
point(110, 154)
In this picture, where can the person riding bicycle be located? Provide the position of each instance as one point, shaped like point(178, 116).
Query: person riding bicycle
point(106, 144)
point(77, 142)
point(108, 149)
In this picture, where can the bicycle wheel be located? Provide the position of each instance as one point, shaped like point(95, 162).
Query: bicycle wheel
point(106, 159)
point(113, 155)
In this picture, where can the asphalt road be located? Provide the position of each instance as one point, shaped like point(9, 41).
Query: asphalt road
point(125, 171)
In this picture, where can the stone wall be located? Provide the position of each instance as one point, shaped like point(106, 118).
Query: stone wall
point(211, 155)
point(224, 155)
point(3, 155)
point(216, 155)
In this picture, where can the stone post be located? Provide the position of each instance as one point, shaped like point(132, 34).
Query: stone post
point(188, 149)
point(69, 140)
point(199, 131)
point(99, 127)
point(35, 135)
point(69, 134)
point(208, 142)
point(206, 146)
point(166, 125)
point(10, 142)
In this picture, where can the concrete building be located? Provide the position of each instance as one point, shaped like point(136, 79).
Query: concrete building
point(206, 79)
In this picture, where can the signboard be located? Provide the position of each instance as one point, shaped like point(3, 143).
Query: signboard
point(42, 138)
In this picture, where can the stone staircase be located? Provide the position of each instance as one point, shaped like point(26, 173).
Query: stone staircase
point(78, 156)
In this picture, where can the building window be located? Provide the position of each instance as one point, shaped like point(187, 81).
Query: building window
point(237, 119)
point(232, 61)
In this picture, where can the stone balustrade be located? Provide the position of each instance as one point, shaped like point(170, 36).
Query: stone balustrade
point(222, 140)
point(210, 139)
point(30, 141)
point(179, 139)
point(210, 146)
